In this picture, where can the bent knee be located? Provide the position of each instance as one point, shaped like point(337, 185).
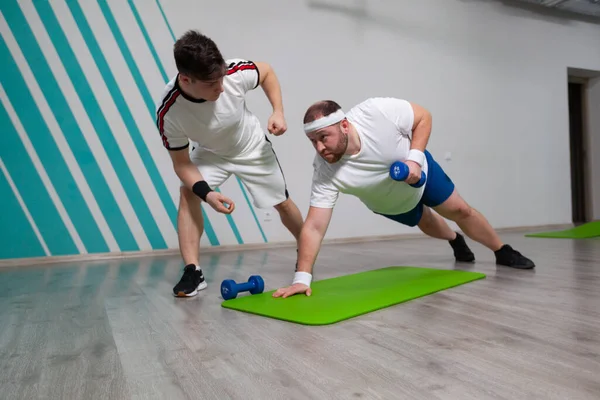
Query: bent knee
point(462, 212)
point(185, 192)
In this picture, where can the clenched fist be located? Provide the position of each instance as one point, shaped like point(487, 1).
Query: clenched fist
point(277, 125)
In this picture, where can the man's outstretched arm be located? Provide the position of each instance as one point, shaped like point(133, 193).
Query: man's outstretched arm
point(309, 244)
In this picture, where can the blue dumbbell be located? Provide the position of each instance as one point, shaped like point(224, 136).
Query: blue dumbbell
point(230, 289)
point(399, 172)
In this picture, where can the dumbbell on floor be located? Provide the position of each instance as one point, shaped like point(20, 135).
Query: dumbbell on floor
point(230, 289)
point(399, 172)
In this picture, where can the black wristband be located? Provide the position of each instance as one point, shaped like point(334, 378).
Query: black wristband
point(201, 189)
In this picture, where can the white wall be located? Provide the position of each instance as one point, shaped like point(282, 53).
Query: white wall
point(494, 77)
point(593, 152)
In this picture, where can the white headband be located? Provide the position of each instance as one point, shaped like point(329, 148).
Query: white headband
point(325, 121)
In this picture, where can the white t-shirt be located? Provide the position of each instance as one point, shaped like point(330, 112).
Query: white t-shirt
point(225, 127)
point(384, 126)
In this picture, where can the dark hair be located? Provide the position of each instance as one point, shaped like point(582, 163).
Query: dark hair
point(320, 109)
point(197, 56)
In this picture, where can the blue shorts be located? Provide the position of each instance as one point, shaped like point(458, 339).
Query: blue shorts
point(438, 188)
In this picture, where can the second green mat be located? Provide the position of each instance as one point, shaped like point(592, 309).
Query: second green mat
point(337, 299)
point(585, 231)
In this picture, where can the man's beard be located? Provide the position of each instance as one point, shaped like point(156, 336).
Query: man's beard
point(339, 152)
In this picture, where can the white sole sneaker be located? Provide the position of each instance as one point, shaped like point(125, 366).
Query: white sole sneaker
point(201, 286)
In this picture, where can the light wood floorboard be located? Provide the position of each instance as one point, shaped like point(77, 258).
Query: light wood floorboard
point(113, 330)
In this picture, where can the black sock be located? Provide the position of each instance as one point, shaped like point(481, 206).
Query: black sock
point(459, 240)
point(462, 252)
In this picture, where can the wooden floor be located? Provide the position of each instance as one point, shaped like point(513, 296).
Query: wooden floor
point(112, 330)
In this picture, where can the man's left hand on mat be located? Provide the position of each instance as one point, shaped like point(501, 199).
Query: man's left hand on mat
point(297, 288)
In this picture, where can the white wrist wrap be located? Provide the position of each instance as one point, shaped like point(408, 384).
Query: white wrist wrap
point(302, 277)
point(417, 156)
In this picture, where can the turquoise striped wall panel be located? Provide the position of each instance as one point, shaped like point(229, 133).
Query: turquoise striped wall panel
point(17, 235)
point(79, 88)
point(36, 198)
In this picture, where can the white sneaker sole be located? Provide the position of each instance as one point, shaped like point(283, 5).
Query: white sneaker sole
point(201, 286)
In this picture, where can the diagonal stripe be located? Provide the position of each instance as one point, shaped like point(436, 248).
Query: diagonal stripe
point(36, 74)
point(148, 40)
point(81, 139)
point(93, 139)
point(252, 209)
point(19, 235)
point(51, 157)
point(119, 100)
point(133, 68)
point(165, 18)
point(114, 215)
point(233, 225)
point(210, 230)
point(58, 230)
point(32, 188)
point(118, 123)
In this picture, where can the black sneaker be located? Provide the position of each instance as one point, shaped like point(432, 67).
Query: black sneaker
point(462, 252)
point(191, 281)
point(511, 258)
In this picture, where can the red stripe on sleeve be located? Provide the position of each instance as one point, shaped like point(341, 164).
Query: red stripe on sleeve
point(161, 117)
point(241, 67)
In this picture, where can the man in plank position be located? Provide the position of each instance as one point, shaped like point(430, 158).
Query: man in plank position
point(355, 152)
point(205, 103)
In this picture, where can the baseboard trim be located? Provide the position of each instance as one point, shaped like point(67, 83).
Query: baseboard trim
point(36, 261)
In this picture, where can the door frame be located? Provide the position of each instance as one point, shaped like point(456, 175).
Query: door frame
point(583, 76)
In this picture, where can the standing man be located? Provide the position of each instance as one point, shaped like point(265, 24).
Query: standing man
point(355, 152)
point(205, 103)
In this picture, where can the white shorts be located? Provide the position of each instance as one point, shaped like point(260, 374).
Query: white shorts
point(258, 170)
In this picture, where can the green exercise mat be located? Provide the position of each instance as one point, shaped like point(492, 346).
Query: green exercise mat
point(348, 296)
point(585, 231)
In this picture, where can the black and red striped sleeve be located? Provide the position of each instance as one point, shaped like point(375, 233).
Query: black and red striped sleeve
point(171, 136)
point(243, 72)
